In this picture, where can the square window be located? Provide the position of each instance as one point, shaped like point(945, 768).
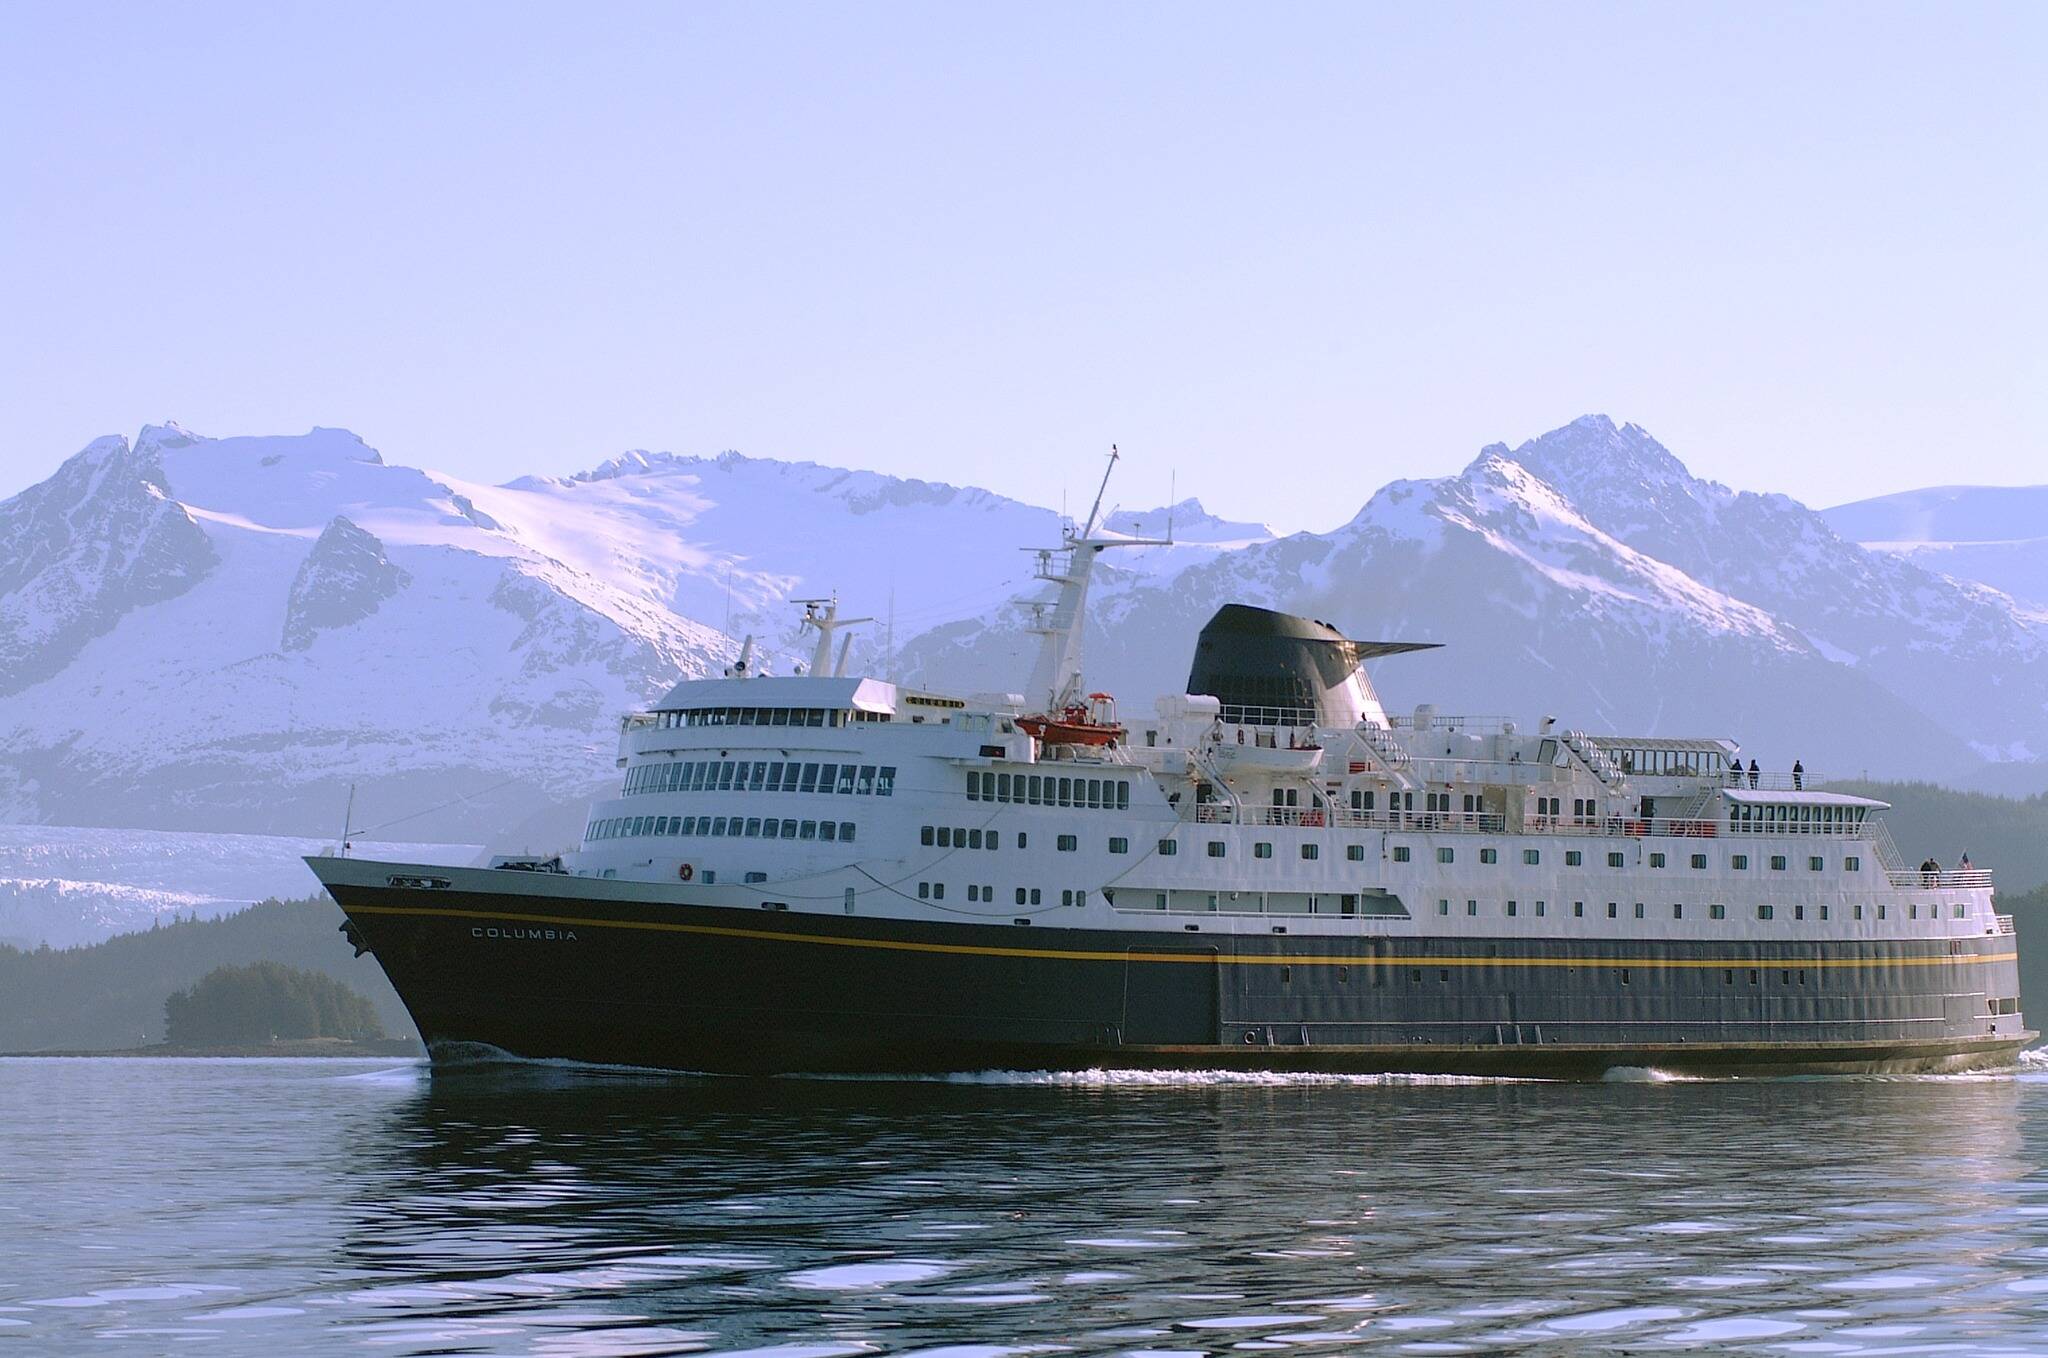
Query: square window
point(1400, 853)
point(1739, 862)
point(1489, 855)
point(1067, 843)
point(1168, 847)
point(1852, 864)
point(1777, 862)
point(1446, 855)
point(927, 835)
point(1614, 860)
point(1311, 851)
point(1717, 912)
point(1763, 912)
point(1118, 844)
point(1532, 856)
point(1216, 848)
point(1813, 864)
point(1262, 850)
point(1573, 858)
point(1355, 852)
point(1656, 860)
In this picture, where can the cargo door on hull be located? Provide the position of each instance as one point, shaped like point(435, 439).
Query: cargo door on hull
point(1171, 996)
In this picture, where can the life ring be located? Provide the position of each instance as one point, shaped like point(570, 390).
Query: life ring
point(1250, 1038)
point(686, 872)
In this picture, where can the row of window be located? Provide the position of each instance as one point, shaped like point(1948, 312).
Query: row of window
point(936, 891)
point(1773, 818)
point(1575, 858)
point(960, 837)
point(1045, 789)
point(762, 775)
point(745, 827)
point(755, 716)
point(1763, 912)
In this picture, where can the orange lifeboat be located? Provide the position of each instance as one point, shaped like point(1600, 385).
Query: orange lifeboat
point(1093, 724)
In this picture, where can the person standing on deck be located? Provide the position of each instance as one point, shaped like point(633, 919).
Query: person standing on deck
point(1798, 775)
point(1754, 773)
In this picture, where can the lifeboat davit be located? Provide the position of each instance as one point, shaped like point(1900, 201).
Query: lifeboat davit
point(1094, 723)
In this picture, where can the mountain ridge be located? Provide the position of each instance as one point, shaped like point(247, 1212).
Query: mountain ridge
point(294, 615)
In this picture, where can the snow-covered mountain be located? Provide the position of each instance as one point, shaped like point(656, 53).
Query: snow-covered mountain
point(226, 634)
point(1587, 573)
point(1995, 535)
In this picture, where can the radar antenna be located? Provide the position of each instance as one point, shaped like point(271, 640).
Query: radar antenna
point(822, 615)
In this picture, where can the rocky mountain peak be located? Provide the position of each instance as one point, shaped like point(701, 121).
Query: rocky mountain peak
point(342, 581)
point(99, 538)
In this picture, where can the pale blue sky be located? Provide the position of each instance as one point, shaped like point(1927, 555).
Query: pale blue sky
point(1290, 251)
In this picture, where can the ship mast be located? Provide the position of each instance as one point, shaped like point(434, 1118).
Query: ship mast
point(1060, 621)
point(823, 616)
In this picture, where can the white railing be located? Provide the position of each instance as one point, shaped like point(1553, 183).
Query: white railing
point(2001, 924)
point(1439, 722)
point(1492, 823)
point(1939, 877)
point(1767, 780)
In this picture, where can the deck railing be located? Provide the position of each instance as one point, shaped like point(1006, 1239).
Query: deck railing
point(1492, 823)
point(2001, 924)
point(1939, 877)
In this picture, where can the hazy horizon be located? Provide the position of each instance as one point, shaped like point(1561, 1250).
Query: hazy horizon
point(1335, 245)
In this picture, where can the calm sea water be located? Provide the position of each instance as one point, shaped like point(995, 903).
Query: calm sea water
point(249, 1207)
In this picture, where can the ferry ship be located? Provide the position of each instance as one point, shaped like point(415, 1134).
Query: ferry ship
point(819, 872)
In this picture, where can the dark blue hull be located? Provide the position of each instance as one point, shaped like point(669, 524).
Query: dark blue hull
point(718, 989)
